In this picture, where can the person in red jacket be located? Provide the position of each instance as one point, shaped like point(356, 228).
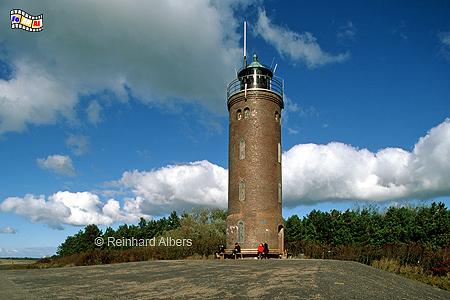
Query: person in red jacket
point(260, 251)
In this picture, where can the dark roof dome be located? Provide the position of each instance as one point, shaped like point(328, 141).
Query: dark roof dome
point(260, 68)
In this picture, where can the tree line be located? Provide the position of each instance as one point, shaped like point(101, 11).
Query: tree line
point(206, 228)
point(428, 226)
point(409, 235)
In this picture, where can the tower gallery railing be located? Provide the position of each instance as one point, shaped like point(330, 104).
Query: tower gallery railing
point(275, 85)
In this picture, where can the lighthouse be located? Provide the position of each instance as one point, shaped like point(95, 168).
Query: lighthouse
point(255, 102)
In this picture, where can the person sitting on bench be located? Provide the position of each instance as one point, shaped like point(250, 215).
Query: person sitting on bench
point(221, 251)
point(260, 251)
point(266, 250)
point(236, 250)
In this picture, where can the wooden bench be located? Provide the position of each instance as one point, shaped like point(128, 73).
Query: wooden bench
point(247, 253)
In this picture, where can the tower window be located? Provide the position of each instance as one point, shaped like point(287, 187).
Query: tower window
point(277, 116)
point(242, 190)
point(240, 232)
point(279, 191)
point(242, 149)
point(279, 153)
point(246, 113)
point(239, 114)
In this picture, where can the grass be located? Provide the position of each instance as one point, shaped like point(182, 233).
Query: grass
point(17, 261)
point(413, 272)
point(8, 263)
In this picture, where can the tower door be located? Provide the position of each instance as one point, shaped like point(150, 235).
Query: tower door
point(281, 239)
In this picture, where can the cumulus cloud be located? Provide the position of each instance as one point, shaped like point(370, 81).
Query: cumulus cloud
point(8, 230)
point(79, 208)
point(302, 47)
point(160, 52)
point(311, 173)
point(79, 144)
point(178, 187)
point(337, 171)
point(60, 164)
point(33, 96)
point(150, 193)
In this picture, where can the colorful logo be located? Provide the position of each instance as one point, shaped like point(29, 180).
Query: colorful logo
point(22, 20)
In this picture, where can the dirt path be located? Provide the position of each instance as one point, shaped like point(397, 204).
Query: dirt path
point(228, 279)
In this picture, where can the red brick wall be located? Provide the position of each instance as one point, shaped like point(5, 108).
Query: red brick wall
point(261, 171)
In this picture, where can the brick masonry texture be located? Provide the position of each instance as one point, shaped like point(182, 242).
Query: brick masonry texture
point(260, 170)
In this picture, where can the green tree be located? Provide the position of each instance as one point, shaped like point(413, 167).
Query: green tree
point(80, 242)
point(294, 229)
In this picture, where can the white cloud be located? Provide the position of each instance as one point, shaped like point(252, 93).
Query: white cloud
point(37, 209)
point(311, 173)
point(79, 144)
point(337, 171)
point(33, 96)
point(178, 187)
point(60, 164)
point(162, 52)
point(301, 47)
point(79, 208)
point(93, 112)
point(8, 230)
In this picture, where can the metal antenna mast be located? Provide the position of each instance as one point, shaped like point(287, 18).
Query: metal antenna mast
point(245, 44)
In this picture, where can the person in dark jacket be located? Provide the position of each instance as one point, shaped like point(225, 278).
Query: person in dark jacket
point(266, 250)
point(221, 251)
point(236, 250)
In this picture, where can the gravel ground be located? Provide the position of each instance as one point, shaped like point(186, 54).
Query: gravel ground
point(215, 279)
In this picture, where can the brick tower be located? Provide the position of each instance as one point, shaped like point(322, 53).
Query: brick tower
point(255, 101)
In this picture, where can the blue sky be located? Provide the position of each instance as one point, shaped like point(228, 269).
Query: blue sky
point(102, 124)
